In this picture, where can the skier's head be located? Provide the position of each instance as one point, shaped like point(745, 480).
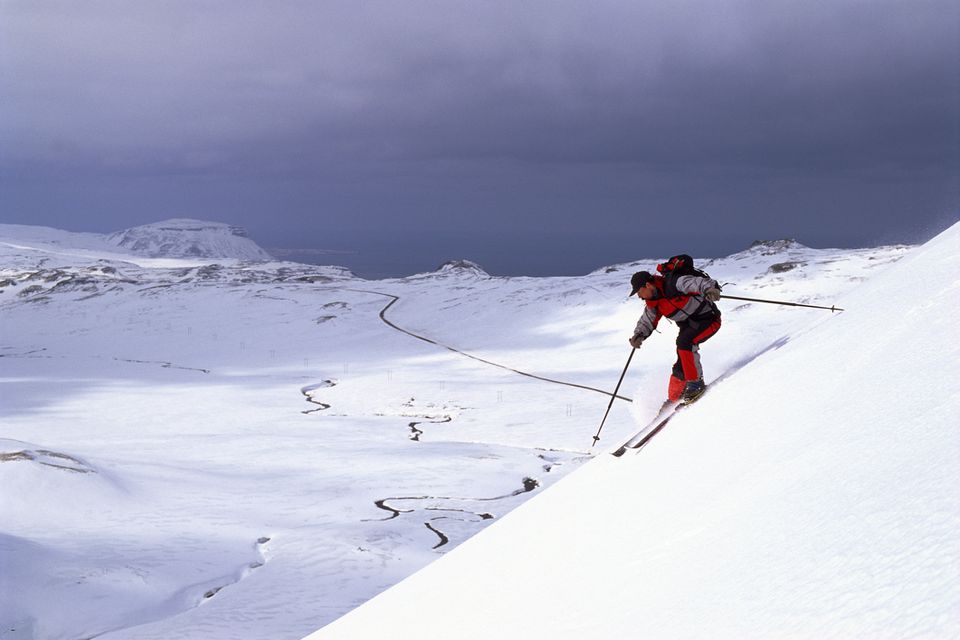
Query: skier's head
point(639, 280)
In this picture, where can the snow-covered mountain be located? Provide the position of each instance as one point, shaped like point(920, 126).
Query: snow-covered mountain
point(186, 238)
point(176, 242)
point(235, 449)
point(456, 269)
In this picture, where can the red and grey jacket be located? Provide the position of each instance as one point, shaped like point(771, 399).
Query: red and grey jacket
point(689, 305)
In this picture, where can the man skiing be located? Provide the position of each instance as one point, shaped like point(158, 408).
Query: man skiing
point(686, 296)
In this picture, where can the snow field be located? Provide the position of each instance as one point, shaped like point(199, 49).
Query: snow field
point(224, 503)
point(810, 495)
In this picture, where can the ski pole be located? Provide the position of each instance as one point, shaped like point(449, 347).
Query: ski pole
point(613, 396)
point(789, 304)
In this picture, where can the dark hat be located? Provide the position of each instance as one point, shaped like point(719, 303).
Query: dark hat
point(639, 279)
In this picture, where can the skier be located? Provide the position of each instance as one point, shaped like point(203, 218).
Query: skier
point(687, 297)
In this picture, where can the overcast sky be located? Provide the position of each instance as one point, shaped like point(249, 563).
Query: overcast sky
point(532, 136)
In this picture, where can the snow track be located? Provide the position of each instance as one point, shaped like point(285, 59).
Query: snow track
point(438, 503)
point(392, 325)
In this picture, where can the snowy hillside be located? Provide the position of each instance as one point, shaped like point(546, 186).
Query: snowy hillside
point(812, 494)
point(225, 449)
point(185, 238)
point(177, 242)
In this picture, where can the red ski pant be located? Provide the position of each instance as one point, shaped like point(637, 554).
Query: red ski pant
point(687, 366)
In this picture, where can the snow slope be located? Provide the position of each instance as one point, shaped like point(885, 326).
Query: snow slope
point(171, 243)
point(813, 494)
point(225, 449)
point(187, 238)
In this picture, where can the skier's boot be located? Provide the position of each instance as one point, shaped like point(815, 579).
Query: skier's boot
point(693, 390)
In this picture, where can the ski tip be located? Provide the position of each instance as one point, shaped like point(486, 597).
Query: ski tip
point(619, 452)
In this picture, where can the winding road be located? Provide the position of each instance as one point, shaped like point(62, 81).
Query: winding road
point(392, 325)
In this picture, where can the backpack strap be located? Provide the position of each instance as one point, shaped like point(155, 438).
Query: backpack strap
point(670, 285)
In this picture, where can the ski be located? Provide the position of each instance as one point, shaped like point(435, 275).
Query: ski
point(644, 436)
point(670, 409)
point(666, 414)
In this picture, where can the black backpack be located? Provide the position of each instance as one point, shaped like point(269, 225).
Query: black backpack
point(681, 265)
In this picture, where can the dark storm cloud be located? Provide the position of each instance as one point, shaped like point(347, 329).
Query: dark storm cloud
point(436, 110)
point(186, 82)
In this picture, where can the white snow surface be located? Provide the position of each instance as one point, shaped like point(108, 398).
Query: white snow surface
point(170, 243)
point(812, 494)
point(194, 448)
point(187, 238)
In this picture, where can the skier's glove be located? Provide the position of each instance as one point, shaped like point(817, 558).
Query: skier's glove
point(636, 341)
point(712, 295)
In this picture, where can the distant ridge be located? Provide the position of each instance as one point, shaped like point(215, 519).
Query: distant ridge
point(461, 265)
point(188, 238)
point(768, 247)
